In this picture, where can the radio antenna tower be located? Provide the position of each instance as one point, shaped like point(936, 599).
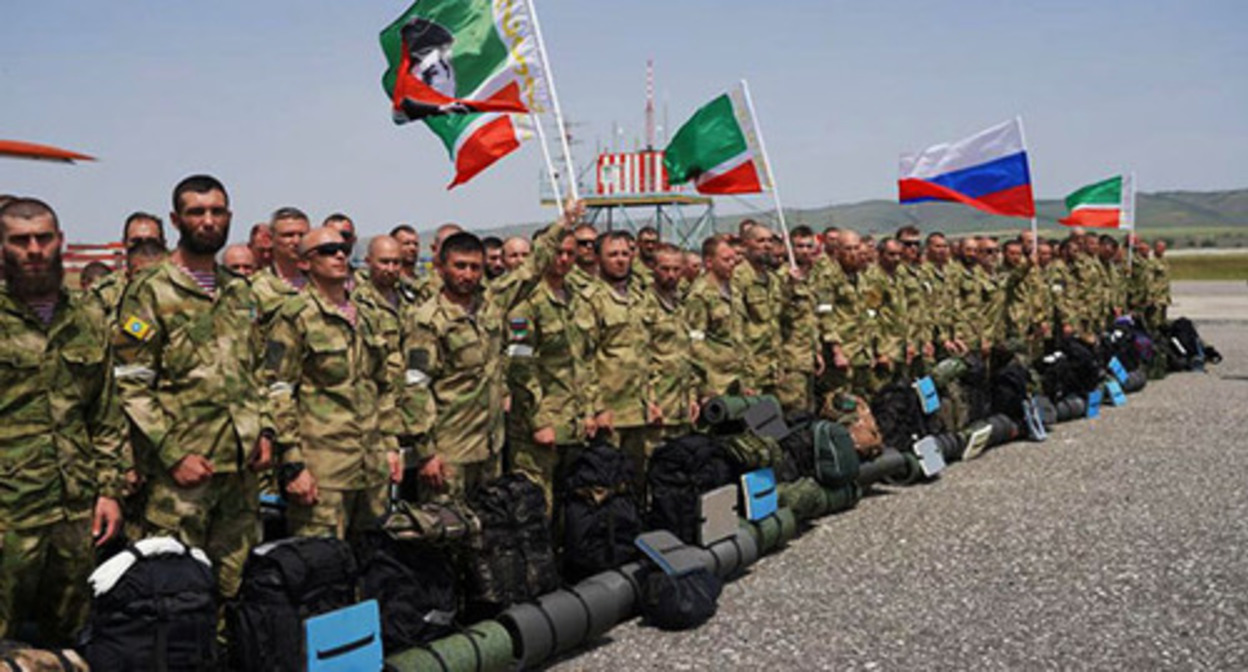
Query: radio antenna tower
point(649, 103)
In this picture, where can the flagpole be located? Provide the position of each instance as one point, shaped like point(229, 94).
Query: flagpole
point(775, 190)
point(1035, 228)
point(550, 164)
point(1129, 196)
point(554, 100)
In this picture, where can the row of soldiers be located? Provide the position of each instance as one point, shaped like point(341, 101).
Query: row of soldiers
point(177, 390)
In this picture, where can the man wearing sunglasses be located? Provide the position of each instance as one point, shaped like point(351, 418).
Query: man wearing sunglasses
point(186, 372)
point(331, 386)
point(586, 269)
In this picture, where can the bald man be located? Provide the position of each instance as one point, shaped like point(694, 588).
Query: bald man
point(332, 392)
point(240, 259)
point(515, 251)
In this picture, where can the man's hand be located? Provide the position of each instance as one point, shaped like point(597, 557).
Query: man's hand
point(106, 521)
point(433, 473)
point(573, 211)
point(303, 489)
point(261, 457)
point(929, 350)
point(394, 459)
point(820, 365)
point(1067, 330)
point(605, 421)
point(654, 414)
point(191, 471)
point(590, 425)
point(695, 410)
point(839, 360)
point(545, 437)
point(134, 481)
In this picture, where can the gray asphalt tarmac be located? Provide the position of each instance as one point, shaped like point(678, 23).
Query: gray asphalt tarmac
point(1120, 543)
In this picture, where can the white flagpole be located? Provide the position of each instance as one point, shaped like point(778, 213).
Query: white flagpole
point(554, 101)
point(550, 164)
point(1035, 228)
point(1128, 213)
point(775, 190)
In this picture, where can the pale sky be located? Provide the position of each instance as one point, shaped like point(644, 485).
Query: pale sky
point(281, 98)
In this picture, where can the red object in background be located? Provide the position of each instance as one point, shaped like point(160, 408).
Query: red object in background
point(29, 150)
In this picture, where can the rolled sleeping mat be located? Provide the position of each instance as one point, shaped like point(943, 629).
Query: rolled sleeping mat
point(952, 445)
point(1072, 407)
point(1136, 380)
point(1004, 429)
point(725, 409)
point(1048, 411)
point(608, 605)
point(482, 647)
point(733, 555)
point(840, 499)
point(556, 623)
point(913, 473)
point(888, 462)
point(774, 531)
point(804, 497)
point(624, 598)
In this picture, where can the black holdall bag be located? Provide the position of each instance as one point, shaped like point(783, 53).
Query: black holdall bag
point(284, 583)
point(153, 608)
point(680, 472)
point(406, 565)
point(899, 414)
point(513, 558)
point(680, 601)
point(600, 518)
point(1009, 390)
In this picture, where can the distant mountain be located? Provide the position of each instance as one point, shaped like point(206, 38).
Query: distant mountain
point(1163, 209)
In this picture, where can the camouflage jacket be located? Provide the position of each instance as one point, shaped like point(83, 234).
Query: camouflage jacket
point(551, 372)
point(63, 440)
point(714, 319)
point(799, 328)
point(762, 295)
point(940, 289)
point(672, 383)
point(187, 368)
point(618, 341)
point(397, 323)
point(331, 387)
point(108, 292)
point(1060, 284)
point(270, 291)
point(884, 297)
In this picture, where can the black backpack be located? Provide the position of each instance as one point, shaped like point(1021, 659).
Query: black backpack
point(680, 471)
point(154, 609)
point(975, 389)
point(899, 415)
point(680, 602)
point(1009, 390)
point(1185, 349)
point(284, 583)
point(600, 518)
point(512, 559)
point(414, 585)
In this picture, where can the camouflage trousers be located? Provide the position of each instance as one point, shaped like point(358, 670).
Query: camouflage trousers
point(544, 465)
point(795, 390)
point(220, 516)
point(863, 381)
point(43, 578)
point(344, 514)
point(461, 479)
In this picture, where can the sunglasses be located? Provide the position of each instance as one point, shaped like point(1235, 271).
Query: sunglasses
point(585, 243)
point(331, 249)
point(135, 242)
point(910, 243)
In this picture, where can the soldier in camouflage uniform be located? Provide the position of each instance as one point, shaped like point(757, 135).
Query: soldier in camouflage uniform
point(852, 334)
point(939, 280)
point(617, 306)
point(801, 357)
point(672, 384)
point(714, 314)
point(1161, 282)
point(554, 390)
point(1113, 271)
point(332, 378)
point(143, 237)
point(62, 435)
point(1063, 292)
point(762, 294)
point(187, 353)
point(1027, 310)
point(272, 287)
point(887, 293)
point(457, 357)
point(586, 270)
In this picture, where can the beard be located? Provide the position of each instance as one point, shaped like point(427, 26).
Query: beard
point(203, 242)
point(39, 283)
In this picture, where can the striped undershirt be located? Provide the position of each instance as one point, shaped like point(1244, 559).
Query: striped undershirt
point(207, 280)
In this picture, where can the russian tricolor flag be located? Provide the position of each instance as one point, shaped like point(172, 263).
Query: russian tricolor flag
point(987, 171)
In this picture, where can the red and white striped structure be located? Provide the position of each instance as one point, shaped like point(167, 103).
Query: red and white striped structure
point(631, 173)
point(78, 255)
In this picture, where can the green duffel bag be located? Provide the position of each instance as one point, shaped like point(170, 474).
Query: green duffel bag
point(836, 460)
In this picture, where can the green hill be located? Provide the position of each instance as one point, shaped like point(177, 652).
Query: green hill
point(1187, 218)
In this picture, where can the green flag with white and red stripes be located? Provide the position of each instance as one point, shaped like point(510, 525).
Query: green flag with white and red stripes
point(718, 149)
point(462, 67)
point(1108, 204)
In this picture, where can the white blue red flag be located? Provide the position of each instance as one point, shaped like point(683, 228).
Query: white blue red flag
point(987, 171)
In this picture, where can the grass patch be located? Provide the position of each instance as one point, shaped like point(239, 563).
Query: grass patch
point(1209, 267)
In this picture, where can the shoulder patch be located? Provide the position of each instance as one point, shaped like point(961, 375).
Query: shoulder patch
point(136, 328)
point(274, 352)
point(519, 328)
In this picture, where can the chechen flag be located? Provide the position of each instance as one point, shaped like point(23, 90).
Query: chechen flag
point(1108, 204)
point(718, 149)
point(462, 66)
point(987, 171)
